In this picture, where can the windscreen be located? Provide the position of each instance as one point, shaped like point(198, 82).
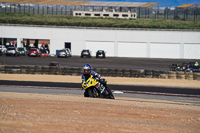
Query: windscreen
point(11, 48)
point(20, 49)
point(33, 49)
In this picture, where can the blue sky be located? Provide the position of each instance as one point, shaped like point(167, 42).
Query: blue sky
point(162, 3)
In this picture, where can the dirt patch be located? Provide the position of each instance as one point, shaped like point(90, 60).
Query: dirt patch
point(66, 113)
point(24, 112)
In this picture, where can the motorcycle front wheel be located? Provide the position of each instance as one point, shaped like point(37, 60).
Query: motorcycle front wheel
point(92, 92)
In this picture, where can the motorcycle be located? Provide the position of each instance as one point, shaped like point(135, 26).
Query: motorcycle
point(92, 87)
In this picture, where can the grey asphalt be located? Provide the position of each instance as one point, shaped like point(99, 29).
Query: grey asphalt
point(193, 101)
point(109, 62)
point(126, 88)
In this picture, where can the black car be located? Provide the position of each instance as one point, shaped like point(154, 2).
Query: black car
point(100, 53)
point(86, 53)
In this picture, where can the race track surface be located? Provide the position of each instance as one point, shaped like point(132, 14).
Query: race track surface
point(123, 88)
point(109, 62)
point(32, 108)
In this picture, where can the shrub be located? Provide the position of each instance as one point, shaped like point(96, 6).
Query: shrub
point(61, 20)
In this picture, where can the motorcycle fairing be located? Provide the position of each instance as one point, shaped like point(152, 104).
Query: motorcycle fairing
point(90, 82)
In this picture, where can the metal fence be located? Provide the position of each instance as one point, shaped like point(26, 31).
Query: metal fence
point(42, 9)
point(193, 14)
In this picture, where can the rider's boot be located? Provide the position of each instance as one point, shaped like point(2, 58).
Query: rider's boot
point(110, 93)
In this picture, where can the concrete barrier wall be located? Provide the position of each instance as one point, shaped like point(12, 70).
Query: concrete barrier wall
point(104, 72)
point(116, 42)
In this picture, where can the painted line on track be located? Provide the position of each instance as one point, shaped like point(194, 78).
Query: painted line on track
point(161, 94)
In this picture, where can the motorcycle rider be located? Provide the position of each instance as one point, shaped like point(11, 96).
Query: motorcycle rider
point(88, 72)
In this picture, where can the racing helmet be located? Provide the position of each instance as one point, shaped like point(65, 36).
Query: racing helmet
point(87, 68)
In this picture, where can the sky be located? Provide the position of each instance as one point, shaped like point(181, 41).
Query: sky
point(162, 3)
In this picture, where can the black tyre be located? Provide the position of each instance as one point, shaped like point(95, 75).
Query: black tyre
point(90, 92)
point(86, 94)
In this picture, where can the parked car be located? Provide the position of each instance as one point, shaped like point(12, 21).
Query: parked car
point(34, 52)
point(54, 64)
point(63, 53)
point(69, 52)
point(100, 53)
point(3, 48)
point(12, 51)
point(22, 50)
point(86, 52)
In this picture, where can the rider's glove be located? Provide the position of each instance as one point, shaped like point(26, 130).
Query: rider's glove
point(97, 78)
point(95, 75)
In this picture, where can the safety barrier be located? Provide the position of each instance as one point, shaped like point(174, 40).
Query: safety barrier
point(111, 72)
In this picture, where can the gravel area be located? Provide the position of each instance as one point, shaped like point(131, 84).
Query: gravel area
point(28, 112)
